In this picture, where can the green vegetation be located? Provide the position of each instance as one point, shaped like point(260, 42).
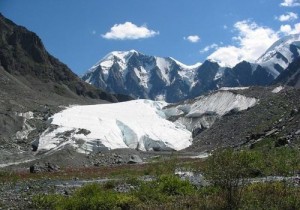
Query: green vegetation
point(272, 195)
point(95, 196)
point(229, 172)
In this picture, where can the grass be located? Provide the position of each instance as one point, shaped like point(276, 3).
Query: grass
point(167, 191)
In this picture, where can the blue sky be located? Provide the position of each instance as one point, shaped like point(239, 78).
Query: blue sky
point(81, 32)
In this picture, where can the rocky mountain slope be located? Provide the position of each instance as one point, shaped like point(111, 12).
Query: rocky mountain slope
point(24, 57)
point(273, 121)
point(156, 78)
point(33, 86)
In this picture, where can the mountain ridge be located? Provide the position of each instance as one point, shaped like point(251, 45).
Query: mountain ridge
point(165, 78)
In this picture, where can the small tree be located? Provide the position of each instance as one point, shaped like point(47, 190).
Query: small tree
point(229, 170)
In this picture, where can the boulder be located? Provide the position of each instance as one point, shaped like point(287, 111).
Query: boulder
point(46, 167)
point(135, 159)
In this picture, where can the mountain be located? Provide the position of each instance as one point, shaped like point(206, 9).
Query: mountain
point(142, 76)
point(277, 58)
point(33, 86)
point(291, 76)
point(156, 78)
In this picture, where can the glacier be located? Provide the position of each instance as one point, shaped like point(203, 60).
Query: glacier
point(139, 124)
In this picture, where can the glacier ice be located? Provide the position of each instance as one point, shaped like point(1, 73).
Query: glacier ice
point(139, 124)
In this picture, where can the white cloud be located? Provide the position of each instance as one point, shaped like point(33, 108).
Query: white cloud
point(192, 38)
point(252, 41)
point(94, 32)
point(288, 29)
point(290, 3)
point(209, 47)
point(290, 16)
point(129, 30)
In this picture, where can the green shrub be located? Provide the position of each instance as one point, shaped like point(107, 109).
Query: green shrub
point(164, 189)
point(46, 201)
point(173, 185)
point(87, 197)
point(229, 170)
point(271, 195)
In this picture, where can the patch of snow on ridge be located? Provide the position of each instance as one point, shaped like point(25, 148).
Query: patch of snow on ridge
point(220, 73)
point(138, 124)
point(220, 103)
point(164, 67)
point(234, 88)
point(277, 89)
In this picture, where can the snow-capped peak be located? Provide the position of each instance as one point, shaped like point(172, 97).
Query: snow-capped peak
point(280, 54)
point(120, 56)
point(278, 46)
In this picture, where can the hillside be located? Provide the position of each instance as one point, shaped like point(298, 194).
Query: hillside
point(34, 82)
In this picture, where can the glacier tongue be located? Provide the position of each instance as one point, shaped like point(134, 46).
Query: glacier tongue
point(138, 124)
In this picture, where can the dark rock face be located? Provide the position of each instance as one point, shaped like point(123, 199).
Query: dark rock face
point(204, 80)
point(291, 76)
point(246, 74)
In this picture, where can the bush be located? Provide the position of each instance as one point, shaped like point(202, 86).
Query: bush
point(272, 195)
point(229, 170)
point(172, 185)
point(165, 188)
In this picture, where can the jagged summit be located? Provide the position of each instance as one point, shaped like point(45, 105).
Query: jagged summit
point(142, 76)
point(165, 78)
point(281, 54)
